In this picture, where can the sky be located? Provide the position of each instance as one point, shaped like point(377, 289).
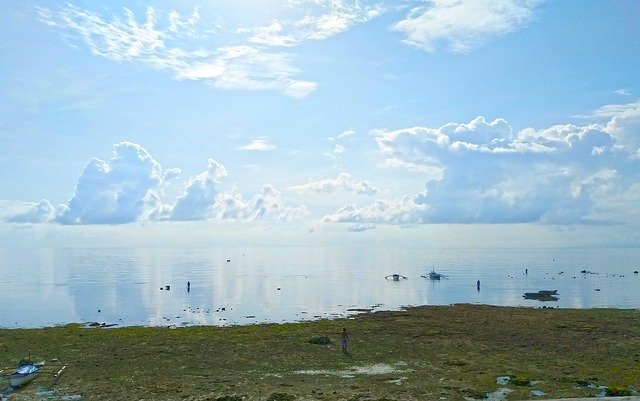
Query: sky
point(260, 122)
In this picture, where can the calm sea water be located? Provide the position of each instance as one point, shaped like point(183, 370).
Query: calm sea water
point(44, 287)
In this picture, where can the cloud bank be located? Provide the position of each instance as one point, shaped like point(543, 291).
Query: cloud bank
point(480, 171)
point(484, 172)
point(128, 187)
point(343, 182)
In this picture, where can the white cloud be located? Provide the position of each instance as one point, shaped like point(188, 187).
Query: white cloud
point(343, 182)
point(463, 24)
point(119, 190)
point(185, 26)
point(167, 49)
point(41, 212)
point(483, 172)
point(322, 19)
point(129, 187)
point(295, 213)
point(358, 228)
point(250, 68)
point(622, 92)
point(343, 135)
point(624, 124)
point(197, 202)
point(271, 35)
point(397, 211)
point(234, 206)
point(346, 134)
point(337, 18)
point(260, 145)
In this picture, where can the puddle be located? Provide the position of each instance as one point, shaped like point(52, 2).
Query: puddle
point(499, 395)
point(369, 370)
point(538, 393)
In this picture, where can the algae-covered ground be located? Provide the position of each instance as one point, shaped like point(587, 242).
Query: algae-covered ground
point(438, 352)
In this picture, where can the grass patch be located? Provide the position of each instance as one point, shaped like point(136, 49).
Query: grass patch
point(431, 352)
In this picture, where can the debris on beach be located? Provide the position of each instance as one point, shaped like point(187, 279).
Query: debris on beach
point(323, 340)
point(103, 324)
point(360, 310)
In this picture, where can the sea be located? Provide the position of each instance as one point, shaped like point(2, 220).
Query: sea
point(238, 286)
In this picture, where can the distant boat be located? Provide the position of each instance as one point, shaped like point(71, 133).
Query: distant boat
point(433, 275)
point(24, 374)
point(395, 277)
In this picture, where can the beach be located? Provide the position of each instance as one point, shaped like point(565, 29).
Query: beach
point(456, 352)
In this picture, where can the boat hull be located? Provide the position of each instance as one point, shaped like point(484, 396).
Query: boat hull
point(23, 375)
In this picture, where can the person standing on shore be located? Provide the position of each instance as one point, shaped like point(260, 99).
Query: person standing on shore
point(344, 340)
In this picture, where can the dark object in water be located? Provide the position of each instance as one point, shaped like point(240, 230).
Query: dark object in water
point(167, 287)
point(395, 277)
point(542, 295)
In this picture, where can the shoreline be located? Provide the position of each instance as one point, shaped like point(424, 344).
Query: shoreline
point(457, 352)
point(349, 314)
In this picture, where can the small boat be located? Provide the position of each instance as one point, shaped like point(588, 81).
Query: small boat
point(434, 276)
point(395, 277)
point(24, 374)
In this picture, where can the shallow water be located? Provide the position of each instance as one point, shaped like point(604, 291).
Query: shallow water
point(43, 287)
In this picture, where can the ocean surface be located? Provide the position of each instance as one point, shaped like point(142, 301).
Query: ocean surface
point(128, 287)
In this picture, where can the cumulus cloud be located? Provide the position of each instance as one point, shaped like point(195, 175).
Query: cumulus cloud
point(165, 47)
point(199, 196)
point(484, 172)
point(41, 212)
point(234, 206)
point(463, 24)
point(298, 213)
point(397, 211)
point(119, 190)
point(343, 182)
point(624, 125)
point(129, 187)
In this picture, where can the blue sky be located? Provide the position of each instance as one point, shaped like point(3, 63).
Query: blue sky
point(411, 122)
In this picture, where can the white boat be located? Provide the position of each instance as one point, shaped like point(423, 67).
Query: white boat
point(24, 374)
point(395, 277)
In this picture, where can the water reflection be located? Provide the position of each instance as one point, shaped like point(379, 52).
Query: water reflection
point(43, 287)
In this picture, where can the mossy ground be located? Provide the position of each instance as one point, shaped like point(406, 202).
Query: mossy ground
point(455, 352)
